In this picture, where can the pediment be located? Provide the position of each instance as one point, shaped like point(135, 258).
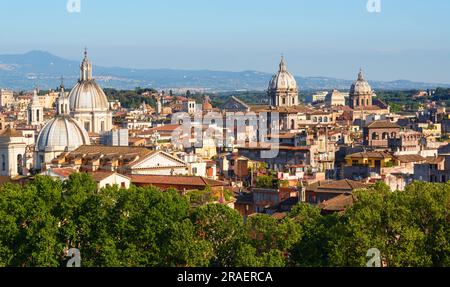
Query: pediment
point(234, 104)
point(159, 160)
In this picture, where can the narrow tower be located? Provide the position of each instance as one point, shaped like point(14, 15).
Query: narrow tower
point(35, 111)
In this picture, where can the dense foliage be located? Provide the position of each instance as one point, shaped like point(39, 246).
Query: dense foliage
point(131, 99)
point(404, 100)
point(147, 227)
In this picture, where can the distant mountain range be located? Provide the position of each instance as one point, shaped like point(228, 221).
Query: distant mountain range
point(42, 69)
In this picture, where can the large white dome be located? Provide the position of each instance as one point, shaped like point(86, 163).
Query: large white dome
point(283, 80)
point(62, 133)
point(87, 96)
point(361, 86)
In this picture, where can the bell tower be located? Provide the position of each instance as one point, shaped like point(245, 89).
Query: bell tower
point(35, 111)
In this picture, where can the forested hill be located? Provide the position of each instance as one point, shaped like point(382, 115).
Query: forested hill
point(43, 69)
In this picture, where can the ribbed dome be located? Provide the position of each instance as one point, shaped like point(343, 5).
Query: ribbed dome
point(88, 96)
point(283, 80)
point(62, 134)
point(361, 86)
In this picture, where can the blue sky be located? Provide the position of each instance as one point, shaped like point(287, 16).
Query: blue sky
point(409, 39)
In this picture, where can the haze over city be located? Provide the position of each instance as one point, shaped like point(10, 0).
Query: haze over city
point(318, 38)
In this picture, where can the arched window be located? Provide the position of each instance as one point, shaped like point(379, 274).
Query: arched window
point(374, 136)
point(325, 119)
point(292, 124)
point(367, 102)
point(315, 119)
point(320, 120)
point(385, 136)
point(38, 115)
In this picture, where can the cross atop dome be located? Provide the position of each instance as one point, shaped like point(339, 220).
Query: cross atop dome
point(361, 75)
point(282, 64)
point(85, 68)
point(35, 98)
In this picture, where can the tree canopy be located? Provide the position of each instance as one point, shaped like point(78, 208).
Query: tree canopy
point(146, 227)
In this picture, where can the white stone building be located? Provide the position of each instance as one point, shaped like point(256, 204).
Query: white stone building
point(6, 98)
point(12, 153)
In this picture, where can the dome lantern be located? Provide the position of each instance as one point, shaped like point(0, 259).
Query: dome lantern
point(85, 68)
point(283, 90)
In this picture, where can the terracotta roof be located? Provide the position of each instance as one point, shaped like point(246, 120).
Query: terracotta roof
point(279, 215)
point(382, 125)
point(134, 140)
point(109, 150)
point(435, 160)
point(164, 128)
point(64, 172)
point(410, 158)
point(337, 204)
point(337, 186)
point(176, 180)
point(371, 108)
point(342, 108)
point(10, 133)
point(182, 99)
